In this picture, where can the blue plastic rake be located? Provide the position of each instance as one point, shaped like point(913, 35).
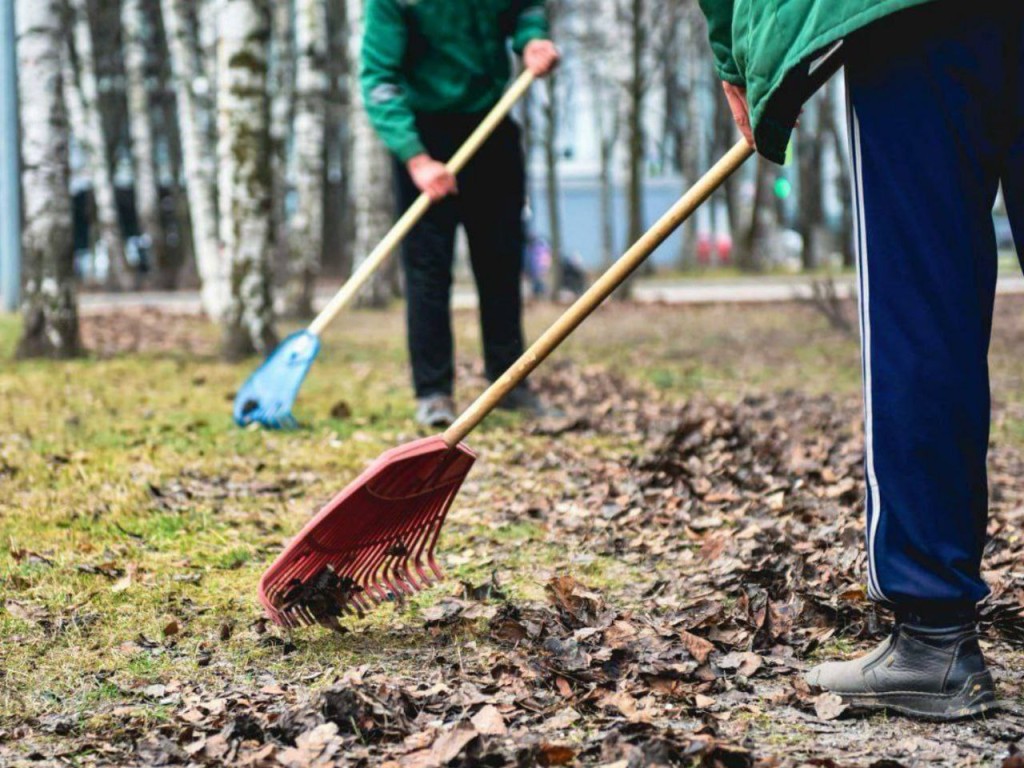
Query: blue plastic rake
point(268, 396)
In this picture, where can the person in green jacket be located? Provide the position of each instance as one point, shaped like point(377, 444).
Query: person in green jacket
point(431, 70)
point(935, 93)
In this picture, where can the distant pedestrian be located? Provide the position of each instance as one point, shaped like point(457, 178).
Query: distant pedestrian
point(431, 69)
point(537, 261)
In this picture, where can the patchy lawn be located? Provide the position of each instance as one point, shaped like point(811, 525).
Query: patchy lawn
point(637, 581)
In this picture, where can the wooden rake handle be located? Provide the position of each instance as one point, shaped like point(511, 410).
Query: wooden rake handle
point(597, 293)
point(415, 212)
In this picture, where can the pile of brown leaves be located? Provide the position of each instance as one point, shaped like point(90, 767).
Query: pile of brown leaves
point(567, 681)
point(152, 331)
point(746, 523)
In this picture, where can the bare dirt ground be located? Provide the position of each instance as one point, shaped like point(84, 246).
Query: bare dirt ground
point(639, 580)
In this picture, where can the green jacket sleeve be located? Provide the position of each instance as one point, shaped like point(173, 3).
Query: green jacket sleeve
point(380, 78)
point(532, 24)
point(719, 13)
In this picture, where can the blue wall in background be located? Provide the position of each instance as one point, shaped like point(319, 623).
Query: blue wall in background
point(581, 219)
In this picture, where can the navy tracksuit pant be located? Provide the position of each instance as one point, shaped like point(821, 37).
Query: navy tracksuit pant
point(937, 124)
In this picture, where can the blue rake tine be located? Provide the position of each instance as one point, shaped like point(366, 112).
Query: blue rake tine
point(268, 395)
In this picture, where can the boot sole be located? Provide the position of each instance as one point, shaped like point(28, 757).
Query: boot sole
point(976, 698)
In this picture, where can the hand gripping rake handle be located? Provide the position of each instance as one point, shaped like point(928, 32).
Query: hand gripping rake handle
point(415, 212)
point(598, 292)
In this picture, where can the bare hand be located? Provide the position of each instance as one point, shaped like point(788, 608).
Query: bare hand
point(540, 57)
point(737, 98)
point(431, 177)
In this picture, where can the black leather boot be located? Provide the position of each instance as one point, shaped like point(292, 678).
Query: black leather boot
point(935, 674)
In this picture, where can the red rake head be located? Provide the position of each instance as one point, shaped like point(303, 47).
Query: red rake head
point(373, 542)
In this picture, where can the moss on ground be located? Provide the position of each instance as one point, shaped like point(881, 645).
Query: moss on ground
point(135, 519)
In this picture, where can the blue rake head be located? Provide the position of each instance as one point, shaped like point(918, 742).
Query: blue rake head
point(269, 394)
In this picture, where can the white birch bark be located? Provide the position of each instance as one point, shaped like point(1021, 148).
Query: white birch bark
point(306, 228)
point(372, 172)
point(282, 110)
point(91, 137)
point(49, 306)
point(243, 154)
point(146, 187)
point(198, 160)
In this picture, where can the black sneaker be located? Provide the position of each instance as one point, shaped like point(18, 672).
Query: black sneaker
point(933, 674)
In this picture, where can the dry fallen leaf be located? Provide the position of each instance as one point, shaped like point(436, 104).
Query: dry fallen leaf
point(697, 647)
point(745, 663)
point(125, 581)
point(489, 721)
point(829, 706)
point(313, 748)
point(25, 611)
point(450, 743)
point(555, 754)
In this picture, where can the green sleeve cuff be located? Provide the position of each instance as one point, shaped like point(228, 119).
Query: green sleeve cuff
point(720, 20)
point(729, 73)
point(409, 148)
point(531, 25)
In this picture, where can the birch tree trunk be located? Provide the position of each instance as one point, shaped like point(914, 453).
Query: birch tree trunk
point(552, 187)
point(92, 138)
point(197, 159)
point(336, 254)
point(372, 170)
point(835, 141)
point(753, 246)
point(49, 307)
point(243, 154)
point(634, 12)
point(306, 229)
point(282, 112)
point(169, 163)
point(695, 138)
point(635, 127)
point(147, 188)
point(809, 153)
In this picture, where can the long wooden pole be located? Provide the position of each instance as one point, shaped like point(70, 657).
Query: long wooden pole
point(598, 292)
point(415, 212)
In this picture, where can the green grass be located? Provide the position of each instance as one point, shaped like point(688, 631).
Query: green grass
point(132, 466)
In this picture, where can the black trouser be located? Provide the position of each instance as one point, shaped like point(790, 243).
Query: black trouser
point(489, 206)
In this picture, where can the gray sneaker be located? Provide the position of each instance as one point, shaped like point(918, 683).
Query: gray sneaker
point(524, 400)
point(435, 411)
point(933, 674)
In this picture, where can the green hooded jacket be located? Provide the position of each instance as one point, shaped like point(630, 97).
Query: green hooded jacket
point(439, 56)
point(766, 46)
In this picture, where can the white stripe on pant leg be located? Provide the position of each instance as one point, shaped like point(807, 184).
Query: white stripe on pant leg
point(874, 587)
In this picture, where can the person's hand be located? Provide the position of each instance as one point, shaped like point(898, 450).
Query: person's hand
point(431, 177)
point(737, 98)
point(540, 57)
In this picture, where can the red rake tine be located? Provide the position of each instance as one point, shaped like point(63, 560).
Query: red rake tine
point(371, 576)
point(403, 539)
point(421, 530)
point(359, 532)
point(366, 565)
point(390, 568)
point(406, 494)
